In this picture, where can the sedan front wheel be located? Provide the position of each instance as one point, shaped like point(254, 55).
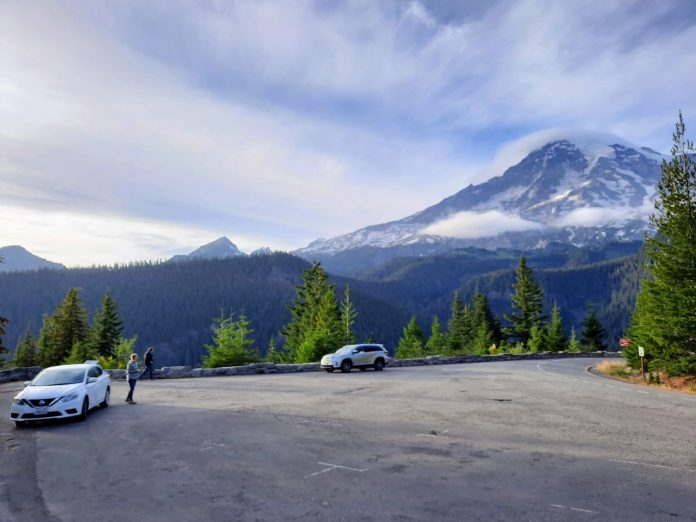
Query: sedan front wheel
point(83, 412)
point(107, 396)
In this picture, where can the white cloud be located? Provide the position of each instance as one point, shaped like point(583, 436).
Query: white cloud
point(471, 225)
point(600, 216)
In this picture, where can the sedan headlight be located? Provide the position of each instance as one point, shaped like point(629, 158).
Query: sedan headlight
point(18, 400)
point(70, 397)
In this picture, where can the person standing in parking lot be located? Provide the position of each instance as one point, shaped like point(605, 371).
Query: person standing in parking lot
point(149, 358)
point(132, 374)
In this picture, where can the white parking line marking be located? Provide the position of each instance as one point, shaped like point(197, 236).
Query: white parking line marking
point(332, 467)
point(652, 465)
point(643, 392)
point(609, 386)
point(560, 506)
point(583, 510)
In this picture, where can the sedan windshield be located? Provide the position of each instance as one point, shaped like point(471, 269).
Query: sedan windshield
point(57, 377)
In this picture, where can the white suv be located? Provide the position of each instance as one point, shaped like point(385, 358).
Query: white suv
point(361, 356)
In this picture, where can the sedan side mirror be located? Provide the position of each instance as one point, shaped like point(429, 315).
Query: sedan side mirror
point(26, 383)
point(91, 380)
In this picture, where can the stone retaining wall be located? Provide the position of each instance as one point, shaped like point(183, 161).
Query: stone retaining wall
point(182, 372)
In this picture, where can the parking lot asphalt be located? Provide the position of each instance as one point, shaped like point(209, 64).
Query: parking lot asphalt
point(524, 440)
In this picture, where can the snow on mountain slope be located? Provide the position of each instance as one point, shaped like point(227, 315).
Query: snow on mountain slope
point(577, 186)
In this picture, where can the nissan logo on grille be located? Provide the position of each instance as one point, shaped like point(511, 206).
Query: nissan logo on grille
point(41, 403)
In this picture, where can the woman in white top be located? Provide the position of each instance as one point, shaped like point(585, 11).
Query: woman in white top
point(132, 374)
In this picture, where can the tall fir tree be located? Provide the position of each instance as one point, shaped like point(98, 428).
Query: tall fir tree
point(664, 321)
point(26, 354)
point(593, 333)
point(3, 323)
point(304, 310)
point(555, 336)
point(348, 316)
point(231, 342)
point(326, 334)
point(437, 342)
point(107, 328)
point(60, 332)
point(485, 326)
point(527, 304)
point(412, 342)
point(459, 328)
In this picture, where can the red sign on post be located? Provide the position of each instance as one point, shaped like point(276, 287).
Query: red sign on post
point(624, 342)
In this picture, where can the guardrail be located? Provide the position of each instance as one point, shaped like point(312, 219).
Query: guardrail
point(183, 372)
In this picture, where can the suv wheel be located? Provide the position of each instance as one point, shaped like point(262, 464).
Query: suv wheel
point(346, 366)
point(379, 365)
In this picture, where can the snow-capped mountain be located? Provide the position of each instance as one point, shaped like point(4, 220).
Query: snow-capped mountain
point(219, 249)
point(578, 187)
point(16, 258)
point(263, 251)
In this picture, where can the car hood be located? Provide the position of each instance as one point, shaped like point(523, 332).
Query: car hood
point(44, 392)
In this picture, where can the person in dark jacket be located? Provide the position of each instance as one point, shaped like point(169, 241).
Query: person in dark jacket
point(149, 359)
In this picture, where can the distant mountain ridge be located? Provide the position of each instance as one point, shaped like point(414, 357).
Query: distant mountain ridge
point(221, 248)
point(18, 259)
point(582, 188)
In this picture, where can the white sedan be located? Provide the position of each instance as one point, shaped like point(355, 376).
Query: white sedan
point(60, 392)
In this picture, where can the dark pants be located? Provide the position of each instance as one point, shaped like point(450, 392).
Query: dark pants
point(131, 383)
point(148, 372)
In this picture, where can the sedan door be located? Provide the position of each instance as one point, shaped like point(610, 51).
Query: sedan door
point(93, 388)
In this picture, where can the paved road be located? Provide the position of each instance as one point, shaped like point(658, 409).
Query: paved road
point(523, 440)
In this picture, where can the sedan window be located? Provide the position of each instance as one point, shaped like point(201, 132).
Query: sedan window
point(58, 377)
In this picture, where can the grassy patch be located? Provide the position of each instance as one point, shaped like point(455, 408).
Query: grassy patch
point(620, 370)
point(617, 369)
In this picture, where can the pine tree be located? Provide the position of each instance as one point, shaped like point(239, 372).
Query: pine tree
point(26, 354)
point(348, 316)
point(437, 342)
point(273, 355)
point(107, 328)
point(61, 331)
point(305, 311)
point(555, 335)
point(593, 334)
point(231, 343)
point(537, 339)
point(460, 331)
point(483, 340)
point(412, 343)
point(573, 344)
point(528, 301)
point(3, 323)
point(485, 326)
point(326, 334)
point(664, 321)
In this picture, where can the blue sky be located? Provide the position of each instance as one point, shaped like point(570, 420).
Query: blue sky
point(139, 129)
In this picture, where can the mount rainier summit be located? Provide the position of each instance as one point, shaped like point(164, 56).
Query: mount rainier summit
point(582, 188)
